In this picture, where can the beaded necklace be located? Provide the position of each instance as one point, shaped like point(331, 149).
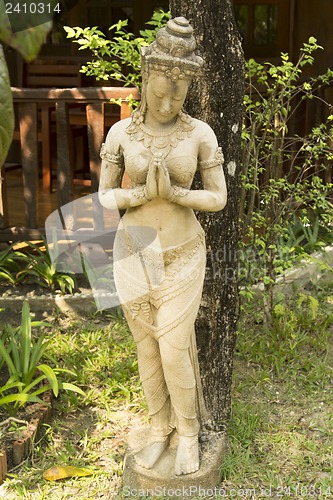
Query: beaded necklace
point(160, 143)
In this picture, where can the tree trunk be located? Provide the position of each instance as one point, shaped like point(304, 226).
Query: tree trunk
point(216, 97)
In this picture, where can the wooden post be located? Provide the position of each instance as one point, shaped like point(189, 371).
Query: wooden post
point(46, 148)
point(95, 122)
point(125, 109)
point(125, 112)
point(64, 172)
point(29, 151)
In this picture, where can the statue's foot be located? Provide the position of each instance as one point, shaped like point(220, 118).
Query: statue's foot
point(187, 459)
point(148, 456)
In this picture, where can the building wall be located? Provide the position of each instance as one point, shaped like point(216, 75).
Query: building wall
point(314, 18)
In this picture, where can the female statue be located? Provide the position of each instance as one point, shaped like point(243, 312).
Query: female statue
point(159, 250)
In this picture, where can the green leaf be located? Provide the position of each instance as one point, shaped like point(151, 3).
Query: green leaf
point(37, 352)
point(28, 41)
point(7, 276)
point(6, 109)
point(40, 323)
point(19, 398)
point(33, 384)
point(67, 386)
point(29, 376)
point(70, 31)
point(65, 370)
point(10, 384)
point(25, 338)
point(15, 351)
point(42, 389)
point(7, 358)
point(51, 377)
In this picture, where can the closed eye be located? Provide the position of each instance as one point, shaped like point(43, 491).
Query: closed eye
point(174, 98)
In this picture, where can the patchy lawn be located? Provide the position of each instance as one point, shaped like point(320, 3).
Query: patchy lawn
point(281, 430)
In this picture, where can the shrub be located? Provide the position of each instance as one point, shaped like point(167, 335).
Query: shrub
point(282, 172)
point(118, 58)
point(28, 378)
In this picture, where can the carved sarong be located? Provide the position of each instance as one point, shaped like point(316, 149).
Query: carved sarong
point(160, 291)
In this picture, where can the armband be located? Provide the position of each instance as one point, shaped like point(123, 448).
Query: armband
point(110, 157)
point(217, 161)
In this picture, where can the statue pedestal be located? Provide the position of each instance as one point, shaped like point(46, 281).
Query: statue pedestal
point(161, 480)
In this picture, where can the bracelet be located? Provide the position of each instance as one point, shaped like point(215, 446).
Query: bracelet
point(178, 191)
point(140, 193)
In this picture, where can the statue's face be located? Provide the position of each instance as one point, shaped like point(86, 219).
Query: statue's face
point(165, 97)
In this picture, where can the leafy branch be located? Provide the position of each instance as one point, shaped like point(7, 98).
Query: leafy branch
point(117, 58)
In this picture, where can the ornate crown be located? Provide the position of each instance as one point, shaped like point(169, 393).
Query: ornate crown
point(173, 51)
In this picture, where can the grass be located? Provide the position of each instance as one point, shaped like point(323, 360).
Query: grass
point(90, 431)
point(281, 430)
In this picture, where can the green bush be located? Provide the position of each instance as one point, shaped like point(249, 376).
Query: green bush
point(42, 270)
point(11, 262)
point(36, 267)
point(118, 58)
point(28, 377)
point(284, 199)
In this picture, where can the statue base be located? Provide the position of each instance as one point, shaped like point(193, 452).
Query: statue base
point(161, 480)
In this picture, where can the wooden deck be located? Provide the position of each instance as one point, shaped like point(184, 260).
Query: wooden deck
point(47, 202)
point(47, 123)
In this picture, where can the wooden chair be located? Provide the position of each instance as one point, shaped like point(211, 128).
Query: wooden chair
point(44, 73)
point(40, 74)
point(50, 73)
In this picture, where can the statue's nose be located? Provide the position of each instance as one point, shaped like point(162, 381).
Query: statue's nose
point(166, 106)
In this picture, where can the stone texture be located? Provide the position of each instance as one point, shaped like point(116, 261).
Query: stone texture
point(212, 451)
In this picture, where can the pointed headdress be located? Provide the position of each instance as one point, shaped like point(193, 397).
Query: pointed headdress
point(172, 52)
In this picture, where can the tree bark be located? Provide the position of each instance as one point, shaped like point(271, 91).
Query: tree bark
point(216, 97)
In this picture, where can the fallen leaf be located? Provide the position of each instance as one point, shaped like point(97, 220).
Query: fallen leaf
point(63, 471)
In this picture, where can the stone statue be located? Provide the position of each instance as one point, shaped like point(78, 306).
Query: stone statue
point(159, 249)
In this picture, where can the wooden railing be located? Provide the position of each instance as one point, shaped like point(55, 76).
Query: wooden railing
point(34, 124)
